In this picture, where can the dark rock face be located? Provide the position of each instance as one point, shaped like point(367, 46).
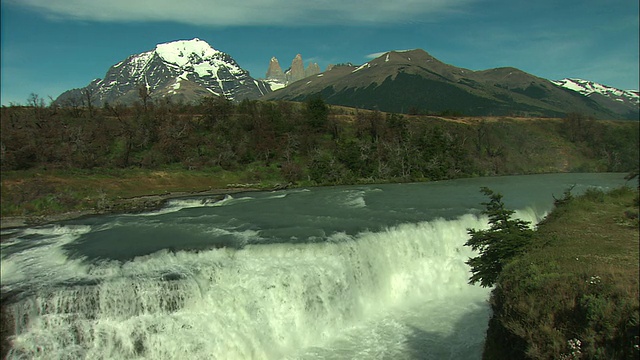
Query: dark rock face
point(187, 70)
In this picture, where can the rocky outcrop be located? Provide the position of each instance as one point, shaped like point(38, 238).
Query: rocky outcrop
point(275, 72)
point(312, 69)
point(278, 79)
point(296, 71)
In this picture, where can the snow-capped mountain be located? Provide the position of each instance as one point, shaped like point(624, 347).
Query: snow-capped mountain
point(182, 70)
point(586, 87)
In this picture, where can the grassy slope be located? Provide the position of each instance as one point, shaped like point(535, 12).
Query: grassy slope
point(580, 282)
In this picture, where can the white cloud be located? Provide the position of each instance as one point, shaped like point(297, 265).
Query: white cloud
point(245, 12)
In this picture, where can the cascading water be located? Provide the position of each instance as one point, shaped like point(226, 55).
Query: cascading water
point(378, 289)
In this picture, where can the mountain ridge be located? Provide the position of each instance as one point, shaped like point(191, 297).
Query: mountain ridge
point(182, 69)
point(398, 81)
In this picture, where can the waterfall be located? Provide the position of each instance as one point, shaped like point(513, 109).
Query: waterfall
point(262, 301)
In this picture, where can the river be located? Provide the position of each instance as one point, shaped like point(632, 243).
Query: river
point(349, 272)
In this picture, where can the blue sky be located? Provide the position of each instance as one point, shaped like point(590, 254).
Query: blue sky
point(49, 46)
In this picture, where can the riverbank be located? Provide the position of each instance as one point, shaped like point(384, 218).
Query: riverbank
point(38, 196)
point(47, 177)
point(575, 295)
point(130, 205)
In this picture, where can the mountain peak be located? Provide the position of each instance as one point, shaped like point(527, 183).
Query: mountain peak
point(275, 73)
point(296, 71)
point(402, 56)
point(184, 69)
point(182, 52)
point(411, 51)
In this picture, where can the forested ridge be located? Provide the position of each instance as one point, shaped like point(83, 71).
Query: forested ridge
point(309, 143)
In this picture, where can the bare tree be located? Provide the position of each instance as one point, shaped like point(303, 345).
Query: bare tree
point(144, 95)
point(88, 95)
point(35, 101)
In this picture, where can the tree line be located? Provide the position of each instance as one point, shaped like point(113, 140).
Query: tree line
point(305, 141)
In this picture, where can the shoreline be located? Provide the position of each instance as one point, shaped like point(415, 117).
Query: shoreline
point(131, 205)
point(147, 203)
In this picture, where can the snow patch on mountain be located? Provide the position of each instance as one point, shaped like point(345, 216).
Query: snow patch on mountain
point(363, 66)
point(183, 51)
point(588, 88)
point(138, 63)
point(197, 55)
point(275, 84)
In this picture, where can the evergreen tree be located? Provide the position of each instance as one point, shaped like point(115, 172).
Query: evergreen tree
point(505, 239)
point(317, 113)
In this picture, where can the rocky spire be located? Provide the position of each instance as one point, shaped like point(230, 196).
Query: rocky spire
point(278, 79)
point(312, 69)
point(296, 72)
point(275, 71)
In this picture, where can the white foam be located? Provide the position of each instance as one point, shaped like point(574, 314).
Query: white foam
point(230, 200)
point(180, 204)
point(278, 196)
point(45, 262)
point(354, 199)
point(260, 302)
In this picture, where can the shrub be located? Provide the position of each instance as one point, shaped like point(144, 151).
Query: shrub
point(505, 239)
point(292, 172)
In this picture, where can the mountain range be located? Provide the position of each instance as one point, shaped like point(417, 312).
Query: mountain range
point(415, 81)
point(410, 81)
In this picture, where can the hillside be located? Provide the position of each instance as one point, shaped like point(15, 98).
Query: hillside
point(69, 159)
point(575, 295)
point(416, 82)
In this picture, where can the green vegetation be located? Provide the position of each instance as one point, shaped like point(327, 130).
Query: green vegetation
point(505, 239)
point(44, 192)
point(574, 294)
point(57, 159)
